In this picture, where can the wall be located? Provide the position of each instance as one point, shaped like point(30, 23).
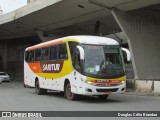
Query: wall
point(12, 54)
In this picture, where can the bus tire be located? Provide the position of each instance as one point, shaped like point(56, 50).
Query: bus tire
point(103, 97)
point(39, 90)
point(24, 85)
point(68, 94)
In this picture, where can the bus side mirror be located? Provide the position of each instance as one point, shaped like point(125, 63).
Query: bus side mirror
point(128, 54)
point(81, 51)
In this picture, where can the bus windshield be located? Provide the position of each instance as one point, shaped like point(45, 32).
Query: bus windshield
point(103, 61)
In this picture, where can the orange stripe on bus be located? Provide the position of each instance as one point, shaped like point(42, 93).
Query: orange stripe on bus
point(50, 43)
point(35, 67)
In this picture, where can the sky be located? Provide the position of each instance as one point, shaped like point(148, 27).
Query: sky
point(11, 5)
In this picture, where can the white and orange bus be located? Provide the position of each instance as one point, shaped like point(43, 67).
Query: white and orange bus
point(76, 65)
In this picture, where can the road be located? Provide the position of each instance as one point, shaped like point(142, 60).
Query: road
point(14, 97)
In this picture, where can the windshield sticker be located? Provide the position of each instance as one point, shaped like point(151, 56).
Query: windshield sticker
point(97, 67)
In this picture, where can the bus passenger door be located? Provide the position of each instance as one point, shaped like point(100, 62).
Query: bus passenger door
point(78, 71)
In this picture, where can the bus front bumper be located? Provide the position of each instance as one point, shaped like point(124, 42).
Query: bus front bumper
point(99, 90)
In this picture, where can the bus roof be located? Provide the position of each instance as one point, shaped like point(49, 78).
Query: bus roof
point(79, 38)
point(95, 40)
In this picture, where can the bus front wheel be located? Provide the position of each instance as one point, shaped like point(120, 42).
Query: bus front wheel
point(68, 94)
point(39, 90)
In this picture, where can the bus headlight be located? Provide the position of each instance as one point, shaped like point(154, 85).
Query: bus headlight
point(87, 81)
point(91, 83)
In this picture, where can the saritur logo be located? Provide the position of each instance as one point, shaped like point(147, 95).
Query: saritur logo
point(51, 66)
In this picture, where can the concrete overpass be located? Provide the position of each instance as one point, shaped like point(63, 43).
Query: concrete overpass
point(42, 20)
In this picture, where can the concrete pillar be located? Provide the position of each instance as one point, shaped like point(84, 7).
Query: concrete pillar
point(144, 43)
point(1, 11)
point(1, 57)
point(5, 55)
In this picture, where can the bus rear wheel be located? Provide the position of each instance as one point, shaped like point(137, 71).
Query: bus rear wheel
point(103, 97)
point(68, 94)
point(39, 90)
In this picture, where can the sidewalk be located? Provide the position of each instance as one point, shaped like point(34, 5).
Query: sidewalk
point(132, 89)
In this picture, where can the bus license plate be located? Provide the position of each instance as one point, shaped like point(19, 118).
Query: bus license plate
point(108, 92)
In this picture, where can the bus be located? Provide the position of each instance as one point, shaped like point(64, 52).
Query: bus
point(76, 65)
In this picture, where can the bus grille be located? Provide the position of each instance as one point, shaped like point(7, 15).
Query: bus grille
point(107, 85)
point(107, 90)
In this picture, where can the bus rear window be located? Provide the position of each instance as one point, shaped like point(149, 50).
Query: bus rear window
point(31, 56)
point(27, 56)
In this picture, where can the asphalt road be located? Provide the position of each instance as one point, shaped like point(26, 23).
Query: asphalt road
point(14, 97)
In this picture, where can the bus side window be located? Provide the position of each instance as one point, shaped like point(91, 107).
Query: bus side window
point(37, 54)
point(27, 56)
point(45, 53)
point(125, 57)
point(72, 48)
point(54, 52)
point(62, 51)
point(77, 61)
point(31, 56)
